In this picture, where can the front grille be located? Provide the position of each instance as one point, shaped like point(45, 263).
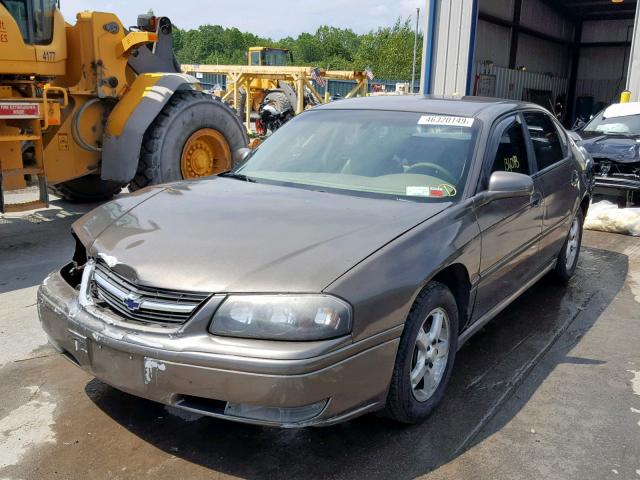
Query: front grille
point(604, 166)
point(143, 304)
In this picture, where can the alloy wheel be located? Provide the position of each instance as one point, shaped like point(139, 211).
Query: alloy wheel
point(430, 355)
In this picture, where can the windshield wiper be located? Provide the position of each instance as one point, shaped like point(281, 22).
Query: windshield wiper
point(238, 176)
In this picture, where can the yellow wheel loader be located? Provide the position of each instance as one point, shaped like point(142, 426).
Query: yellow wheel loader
point(86, 109)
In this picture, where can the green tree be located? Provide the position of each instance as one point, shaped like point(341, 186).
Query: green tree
point(388, 51)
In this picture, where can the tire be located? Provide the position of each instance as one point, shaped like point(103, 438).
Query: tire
point(87, 189)
point(567, 262)
point(186, 113)
point(405, 403)
point(279, 100)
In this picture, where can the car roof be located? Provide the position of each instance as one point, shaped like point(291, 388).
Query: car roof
point(476, 107)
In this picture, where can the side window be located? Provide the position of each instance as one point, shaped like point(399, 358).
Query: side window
point(43, 11)
point(545, 138)
point(511, 155)
point(255, 58)
point(564, 140)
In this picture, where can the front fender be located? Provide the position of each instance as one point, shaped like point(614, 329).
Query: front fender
point(131, 117)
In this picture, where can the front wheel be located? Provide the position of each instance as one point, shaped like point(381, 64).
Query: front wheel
point(425, 357)
point(570, 253)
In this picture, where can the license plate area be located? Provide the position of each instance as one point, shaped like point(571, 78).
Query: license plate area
point(119, 369)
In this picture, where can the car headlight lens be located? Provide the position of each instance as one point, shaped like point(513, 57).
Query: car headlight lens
point(282, 317)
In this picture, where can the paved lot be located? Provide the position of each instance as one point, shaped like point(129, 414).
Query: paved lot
point(550, 389)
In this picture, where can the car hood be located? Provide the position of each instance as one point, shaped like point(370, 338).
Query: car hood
point(620, 149)
point(226, 235)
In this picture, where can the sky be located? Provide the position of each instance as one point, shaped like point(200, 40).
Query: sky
point(273, 18)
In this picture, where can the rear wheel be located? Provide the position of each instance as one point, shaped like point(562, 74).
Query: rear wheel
point(194, 136)
point(87, 189)
point(425, 357)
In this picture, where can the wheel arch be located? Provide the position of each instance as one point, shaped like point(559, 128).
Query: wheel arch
point(132, 116)
point(584, 205)
point(456, 278)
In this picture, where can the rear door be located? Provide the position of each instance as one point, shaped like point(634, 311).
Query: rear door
point(558, 175)
point(510, 227)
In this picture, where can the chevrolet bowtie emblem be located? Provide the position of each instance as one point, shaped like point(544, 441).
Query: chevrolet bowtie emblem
point(132, 302)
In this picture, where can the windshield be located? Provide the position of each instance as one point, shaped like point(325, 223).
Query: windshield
point(627, 125)
point(276, 58)
point(379, 153)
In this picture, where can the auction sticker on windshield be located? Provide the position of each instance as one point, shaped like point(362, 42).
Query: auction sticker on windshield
point(446, 120)
point(437, 192)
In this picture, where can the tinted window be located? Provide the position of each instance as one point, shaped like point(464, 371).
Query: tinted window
point(255, 58)
point(18, 10)
point(276, 58)
point(42, 21)
point(545, 138)
point(512, 151)
point(43, 11)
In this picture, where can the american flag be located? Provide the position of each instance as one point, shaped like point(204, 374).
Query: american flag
point(369, 74)
point(316, 75)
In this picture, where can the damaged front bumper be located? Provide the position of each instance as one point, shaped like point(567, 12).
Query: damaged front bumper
point(616, 179)
point(286, 384)
point(618, 182)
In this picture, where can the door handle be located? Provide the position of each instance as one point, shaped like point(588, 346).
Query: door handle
point(575, 178)
point(536, 199)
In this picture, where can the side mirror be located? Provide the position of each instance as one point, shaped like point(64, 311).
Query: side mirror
point(507, 185)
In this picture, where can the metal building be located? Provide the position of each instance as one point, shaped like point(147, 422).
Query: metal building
point(574, 55)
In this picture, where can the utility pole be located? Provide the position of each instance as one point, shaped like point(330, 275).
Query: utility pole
point(415, 50)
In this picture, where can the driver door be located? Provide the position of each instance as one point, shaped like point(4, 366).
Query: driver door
point(510, 227)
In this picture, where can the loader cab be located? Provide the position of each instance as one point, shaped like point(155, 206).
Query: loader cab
point(35, 19)
point(271, 57)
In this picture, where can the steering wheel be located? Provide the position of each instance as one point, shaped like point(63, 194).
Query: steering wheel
point(437, 171)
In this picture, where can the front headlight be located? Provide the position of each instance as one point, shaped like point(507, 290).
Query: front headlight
point(282, 317)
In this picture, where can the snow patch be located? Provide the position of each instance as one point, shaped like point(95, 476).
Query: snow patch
point(26, 427)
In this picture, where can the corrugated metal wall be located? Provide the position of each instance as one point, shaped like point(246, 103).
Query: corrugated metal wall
point(511, 84)
point(605, 91)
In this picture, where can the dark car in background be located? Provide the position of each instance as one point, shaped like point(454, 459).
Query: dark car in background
point(612, 138)
point(336, 272)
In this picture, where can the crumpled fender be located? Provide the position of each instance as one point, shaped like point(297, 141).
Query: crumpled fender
point(131, 117)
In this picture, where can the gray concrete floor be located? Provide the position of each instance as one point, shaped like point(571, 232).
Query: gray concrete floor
point(550, 389)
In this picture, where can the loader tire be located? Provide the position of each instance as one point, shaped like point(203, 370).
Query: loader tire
point(87, 189)
point(194, 135)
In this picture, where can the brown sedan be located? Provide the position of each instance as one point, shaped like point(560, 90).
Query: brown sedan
point(336, 272)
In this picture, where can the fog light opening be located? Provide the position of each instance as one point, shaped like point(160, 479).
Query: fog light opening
point(277, 415)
